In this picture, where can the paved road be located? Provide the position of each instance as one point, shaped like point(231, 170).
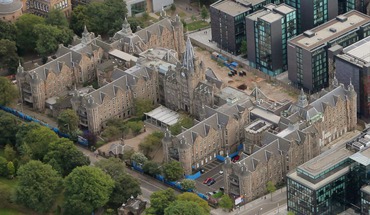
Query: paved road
point(212, 171)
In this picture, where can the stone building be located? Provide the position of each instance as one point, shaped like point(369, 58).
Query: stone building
point(302, 130)
point(10, 10)
point(74, 65)
point(165, 33)
point(42, 8)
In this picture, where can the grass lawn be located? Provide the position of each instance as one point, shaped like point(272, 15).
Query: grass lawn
point(6, 211)
point(197, 25)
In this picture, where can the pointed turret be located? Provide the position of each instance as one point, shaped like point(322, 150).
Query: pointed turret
point(335, 82)
point(188, 61)
point(126, 28)
point(202, 114)
point(85, 36)
point(20, 68)
point(302, 99)
point(351, 88)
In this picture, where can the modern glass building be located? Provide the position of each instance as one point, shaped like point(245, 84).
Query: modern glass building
point(312, 13)
point(333, 181)
point(348, 5)
point(308, 60)
point(228, 21)
point(267, 42)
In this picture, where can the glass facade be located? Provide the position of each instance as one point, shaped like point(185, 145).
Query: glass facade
point(320, 12)
point(137, 8)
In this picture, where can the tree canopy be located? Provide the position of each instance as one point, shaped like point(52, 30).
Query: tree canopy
point(160, 200)
point(192, 197)
point(3, 166)
point(151, 168)
point(142, 106)
point(38, 186)
point(151, 142)
point(185, 121)
point(86, 189)
point(184, 208)
point(112, 166)
point(270, 187)
point(9, 153)
point(68, 121)
point(187, 184)
point(9, 58)
point(8, 127)
point(64, 156)
point(139, 158)
point(26, 36)
point(56, 18)
point(226, 202)
point(204, 12)
point(8, 31)
point(173, 171)
point(8, 91)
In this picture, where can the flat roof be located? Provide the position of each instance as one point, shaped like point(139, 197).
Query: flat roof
point(230, 7)
point(326, 160)
point(359, 50)
point(266, 115)
point(330, 30)
point(258, 126)
point(362, 157)
point(123, 55)
point(366, 189)
point(284, 9)
point(164, 115)
point(271, 17)
point(231, 94)
point(327, 180)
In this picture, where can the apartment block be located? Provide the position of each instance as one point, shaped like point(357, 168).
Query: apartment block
point(308, 56)
point(228, 21)
point(268, 32)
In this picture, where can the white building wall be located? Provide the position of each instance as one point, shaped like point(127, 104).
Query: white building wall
point(158, 4)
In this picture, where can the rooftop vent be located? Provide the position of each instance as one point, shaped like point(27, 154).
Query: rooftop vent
point(332, 30)
point(342, 18)
point(309, 33)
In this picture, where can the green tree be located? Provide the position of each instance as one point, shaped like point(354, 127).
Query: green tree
point(184, 208)
point(204, 12)
point(291, 213)
point(184, 121)
point(120, 124)
point(192, 197)
point(135, 126)
point(145, 16)
point(139, 158)
point(64, 156)
point(127, 154)
point(142, 106)
point(226, 202)
point(112, 166)
point(9, 153)
point(151, 142)
point(8, 127)
point(160, 200)
point(9, 58)
point(68, 121)
point(38, 186)
point(111, 133)
point(244, 47)
point(188, 184)
point(3, 167)
point(134, 23)
point(37, 142)
point(49, 37)
point(125, 185)
point(151, 168)
point(21, 134)
point(56, 18)
point(270, 188)
point(173, 171)
point(26, 36)
point(86, 189)
point(78, 19)
point(11, 169)
point(8, 31)
point(8, 91)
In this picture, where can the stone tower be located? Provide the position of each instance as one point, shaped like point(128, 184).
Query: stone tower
point(302, 100)
point(166, 144)
point(86, 38)
point(185, 155)
point(38, 92)
point(179, 35)
point(352, 107)
point(92, 114)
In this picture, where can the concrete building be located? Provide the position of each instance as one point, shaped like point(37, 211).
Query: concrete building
point(228, 21)
point(333, 181)
point(352, 64)
point(312, 13)
point(297, 138)
point(309, 62)
point(10, 10)
point(42, 8)
point(348, 5)
point(269, 30)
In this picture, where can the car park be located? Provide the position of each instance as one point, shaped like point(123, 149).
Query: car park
point(212, 181)
point(221, 172)
point(207, 180)
point(235, 159)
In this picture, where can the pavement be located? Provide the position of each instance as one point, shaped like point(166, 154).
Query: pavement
point(260, 206)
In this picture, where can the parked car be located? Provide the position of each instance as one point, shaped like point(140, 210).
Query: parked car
point(221, 172)
point(212, 181)
point(207, 180)
point(202, 171)
point(236, 158)
point(210, 193)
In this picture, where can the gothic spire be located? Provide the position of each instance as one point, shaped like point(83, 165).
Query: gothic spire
point(188, 61)
point(85, 36)
point(20, 68)
point(302, 99)
point(126, 28)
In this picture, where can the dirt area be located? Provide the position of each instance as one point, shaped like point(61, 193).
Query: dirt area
point(250, 80)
